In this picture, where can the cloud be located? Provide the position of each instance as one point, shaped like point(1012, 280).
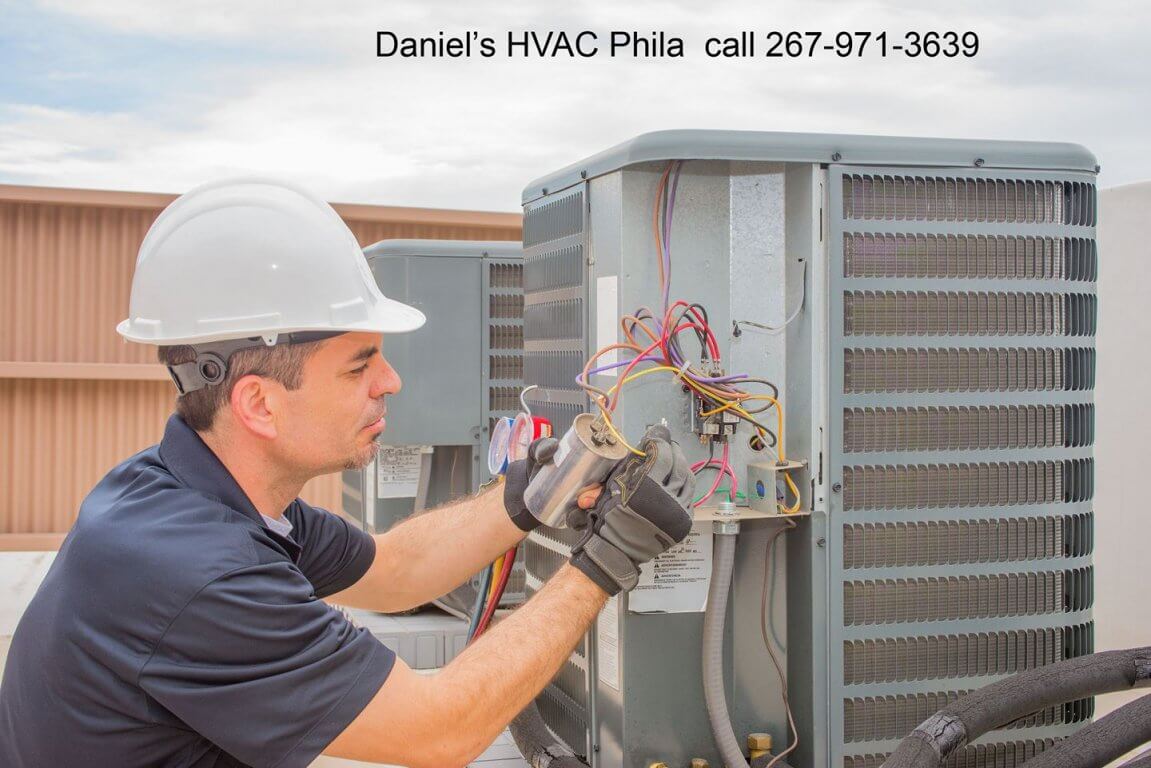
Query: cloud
point(296, 90)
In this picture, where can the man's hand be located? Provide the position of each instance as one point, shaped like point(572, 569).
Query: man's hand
point(519, 475)
point(644, 512)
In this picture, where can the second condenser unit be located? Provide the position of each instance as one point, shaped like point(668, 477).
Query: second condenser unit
point(922, 313)
point(461, 371)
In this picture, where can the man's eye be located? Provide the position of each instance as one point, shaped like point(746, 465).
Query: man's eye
point(361, 369)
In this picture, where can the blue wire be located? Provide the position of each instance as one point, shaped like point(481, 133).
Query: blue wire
point(481, 601)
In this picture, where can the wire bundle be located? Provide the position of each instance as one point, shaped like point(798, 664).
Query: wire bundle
point(493, 583)
point(664, 352)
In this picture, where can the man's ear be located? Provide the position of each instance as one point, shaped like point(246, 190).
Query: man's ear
point(255, 401)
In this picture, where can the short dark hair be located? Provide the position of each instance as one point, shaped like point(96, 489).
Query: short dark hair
point(283, 363)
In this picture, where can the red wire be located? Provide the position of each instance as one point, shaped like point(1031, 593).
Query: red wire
point(699, 325)
point(497, 595)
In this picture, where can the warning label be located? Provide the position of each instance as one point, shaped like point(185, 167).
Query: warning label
point(398, 470)
point(676, 581)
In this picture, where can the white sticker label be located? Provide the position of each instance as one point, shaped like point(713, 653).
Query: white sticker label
point(607, 319)
point(562, 450)
point(607, 643)
point(398, 470)
point(676, 581)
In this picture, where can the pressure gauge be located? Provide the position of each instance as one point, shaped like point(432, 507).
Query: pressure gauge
point(525, 429)
point(498, 447)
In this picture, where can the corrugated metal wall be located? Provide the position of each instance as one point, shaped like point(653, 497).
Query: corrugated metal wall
point(75, 399)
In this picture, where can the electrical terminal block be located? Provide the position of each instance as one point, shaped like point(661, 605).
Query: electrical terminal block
point(716, 427)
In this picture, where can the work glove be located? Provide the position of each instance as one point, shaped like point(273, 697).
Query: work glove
point(519, 475)
point(643, 511)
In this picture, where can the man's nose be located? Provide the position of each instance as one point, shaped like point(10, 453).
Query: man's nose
point(387, 381)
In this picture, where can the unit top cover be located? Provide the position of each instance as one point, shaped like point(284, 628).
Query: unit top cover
point(496, 249)
point(771, 146)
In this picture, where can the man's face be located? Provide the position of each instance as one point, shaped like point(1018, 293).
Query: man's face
point(335, 418)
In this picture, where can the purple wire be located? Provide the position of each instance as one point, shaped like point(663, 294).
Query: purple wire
point(669, 213)
point(608, 367)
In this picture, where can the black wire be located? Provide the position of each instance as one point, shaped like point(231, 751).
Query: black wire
point(673, 334)
point(709, 401)
point(710, 458)
point(774, 389)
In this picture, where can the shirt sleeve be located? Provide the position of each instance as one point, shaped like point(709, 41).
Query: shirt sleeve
point(264, 670)
point(334, 554)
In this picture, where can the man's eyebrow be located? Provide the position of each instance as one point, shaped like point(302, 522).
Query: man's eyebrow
point(367, 353)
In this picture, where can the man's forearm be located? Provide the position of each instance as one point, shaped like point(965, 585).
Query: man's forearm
point(445, 720)
point(432, 553)
point(509, 665)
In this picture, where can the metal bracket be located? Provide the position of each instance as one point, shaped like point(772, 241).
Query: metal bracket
point(766, 486)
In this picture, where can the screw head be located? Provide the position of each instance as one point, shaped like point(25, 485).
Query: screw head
point(979, 161)
point(820, 542)
point(583, 174)
point(836, 157)
point(837, 487)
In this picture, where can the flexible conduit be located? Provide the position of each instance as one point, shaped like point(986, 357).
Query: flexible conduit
point(713, 620)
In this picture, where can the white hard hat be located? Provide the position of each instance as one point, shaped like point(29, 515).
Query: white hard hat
point(247, 258)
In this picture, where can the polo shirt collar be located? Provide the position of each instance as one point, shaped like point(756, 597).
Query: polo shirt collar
point(194, 464)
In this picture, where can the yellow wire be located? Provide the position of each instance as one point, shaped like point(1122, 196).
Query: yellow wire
point(607, 416)
point(729, 404)
point(497, 566)
point(618, 436)
point(795, 491)
point(735, 406)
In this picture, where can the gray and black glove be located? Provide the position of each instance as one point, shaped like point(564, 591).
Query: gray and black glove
point(519, 475)
point(643, 512)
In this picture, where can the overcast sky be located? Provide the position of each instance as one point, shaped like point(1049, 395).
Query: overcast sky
point(144, 95)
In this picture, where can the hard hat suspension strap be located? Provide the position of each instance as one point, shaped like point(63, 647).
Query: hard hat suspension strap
point(211, 364)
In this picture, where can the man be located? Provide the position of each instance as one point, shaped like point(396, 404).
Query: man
point(181, 623)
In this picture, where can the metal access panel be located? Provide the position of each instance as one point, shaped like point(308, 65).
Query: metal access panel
point(461, 371)
point(631, 695)
point(962, 315)
point(937, 384)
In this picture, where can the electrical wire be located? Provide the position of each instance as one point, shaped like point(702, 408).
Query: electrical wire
point(767, 586)
point(497, 595)
point(774, 329)
point(663, 350)
point(725, 469)
point(480, 603)
point(523, 398)
point(497, 568)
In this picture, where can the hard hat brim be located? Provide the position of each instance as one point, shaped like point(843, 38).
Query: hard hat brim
point(390, 316)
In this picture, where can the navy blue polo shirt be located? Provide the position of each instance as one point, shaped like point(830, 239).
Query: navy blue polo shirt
point(175, 629)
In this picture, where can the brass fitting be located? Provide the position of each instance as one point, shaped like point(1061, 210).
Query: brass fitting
point(699, 762)
point(758, 744)
point(657, 765)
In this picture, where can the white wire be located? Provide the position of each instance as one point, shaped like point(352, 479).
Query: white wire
point(772, 329)
point(523, 400)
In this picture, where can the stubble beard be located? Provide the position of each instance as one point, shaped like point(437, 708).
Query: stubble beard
point(364, 456)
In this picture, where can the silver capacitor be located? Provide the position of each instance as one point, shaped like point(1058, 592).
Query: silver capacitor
point(586, 455)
